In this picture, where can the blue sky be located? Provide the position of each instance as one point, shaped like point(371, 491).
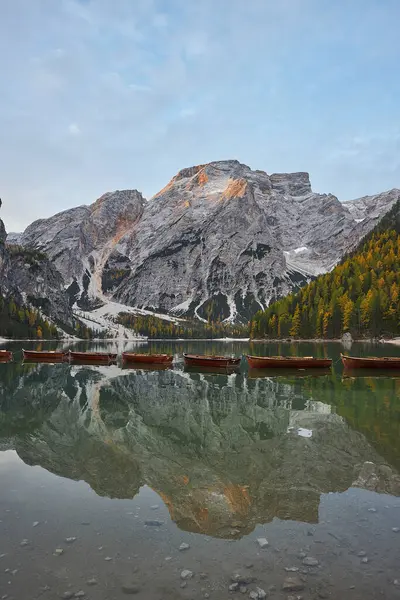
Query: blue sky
point(97, 95)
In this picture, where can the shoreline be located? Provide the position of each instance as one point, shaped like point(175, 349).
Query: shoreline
point(394, 341)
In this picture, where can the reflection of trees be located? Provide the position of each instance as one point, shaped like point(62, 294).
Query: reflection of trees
point(370, 405)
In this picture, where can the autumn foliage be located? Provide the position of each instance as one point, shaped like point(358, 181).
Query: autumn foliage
point(360, 295)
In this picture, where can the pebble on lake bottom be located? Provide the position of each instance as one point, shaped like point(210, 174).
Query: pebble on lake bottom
point(395, 529)
point(293, 584)
point(310, 561)
point(184, 546)
point(92, 581)
point(130, 588)
point(262, 542)
point(58, 552)
point(186, 574)
point(70, 540)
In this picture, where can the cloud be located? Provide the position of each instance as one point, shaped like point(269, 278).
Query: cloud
point(279, 85)
point(74, 129)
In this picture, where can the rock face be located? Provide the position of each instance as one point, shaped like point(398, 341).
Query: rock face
point(31, 278)
point(79, 242)
point(219, 241)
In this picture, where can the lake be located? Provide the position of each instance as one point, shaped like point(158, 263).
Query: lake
point(168, 484)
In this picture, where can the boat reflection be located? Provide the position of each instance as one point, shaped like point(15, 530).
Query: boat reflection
point(267, 373)
point(145, 367)
point(371, 373)
point(212, 370)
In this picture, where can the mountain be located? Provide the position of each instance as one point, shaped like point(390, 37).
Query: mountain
point(360, 296)
point(79, 242)
point(220, 241)
point(31, 289)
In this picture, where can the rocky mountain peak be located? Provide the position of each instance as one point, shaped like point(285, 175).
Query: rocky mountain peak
point(294, 184)
point(219, 241)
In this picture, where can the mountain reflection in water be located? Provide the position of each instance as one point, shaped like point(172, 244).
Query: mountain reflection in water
point(224, 451)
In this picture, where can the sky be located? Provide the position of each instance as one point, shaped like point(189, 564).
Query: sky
point(98, 95)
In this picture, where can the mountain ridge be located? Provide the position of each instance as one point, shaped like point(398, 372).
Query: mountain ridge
point(218, 242)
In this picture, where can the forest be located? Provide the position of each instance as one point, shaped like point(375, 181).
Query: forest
point(360, 295)
point(19, 321)
point(154, 327)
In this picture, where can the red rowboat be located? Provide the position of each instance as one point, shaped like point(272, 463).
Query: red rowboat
point(372, 362)
point(148, 359)
point(209, 360)
point(48, 355)
point(93, 357)
point(5, 355)
point(285, 362)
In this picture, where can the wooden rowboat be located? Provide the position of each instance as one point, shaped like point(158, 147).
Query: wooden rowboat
point(93, 357)
point(372, 362)
point(285, 362)
point(148, 359)
point(45, 356)
point(210, 360)
point(5, 355)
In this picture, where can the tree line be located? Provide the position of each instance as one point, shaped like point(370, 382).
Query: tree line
point(154, 327)
point(360, 295)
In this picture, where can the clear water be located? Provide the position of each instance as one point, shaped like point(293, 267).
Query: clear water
point(133, 463)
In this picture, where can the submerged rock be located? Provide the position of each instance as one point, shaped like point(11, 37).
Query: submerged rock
point(184, 546)
point(186, 574)
point(293, 584)
point(130, 588)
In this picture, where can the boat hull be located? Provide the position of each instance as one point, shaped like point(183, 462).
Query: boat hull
point(386, 362)
point(93, 357)
point(199, 360)
point(147, 359)
point(6, 355)
point(49, 356)
point(287, 362)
